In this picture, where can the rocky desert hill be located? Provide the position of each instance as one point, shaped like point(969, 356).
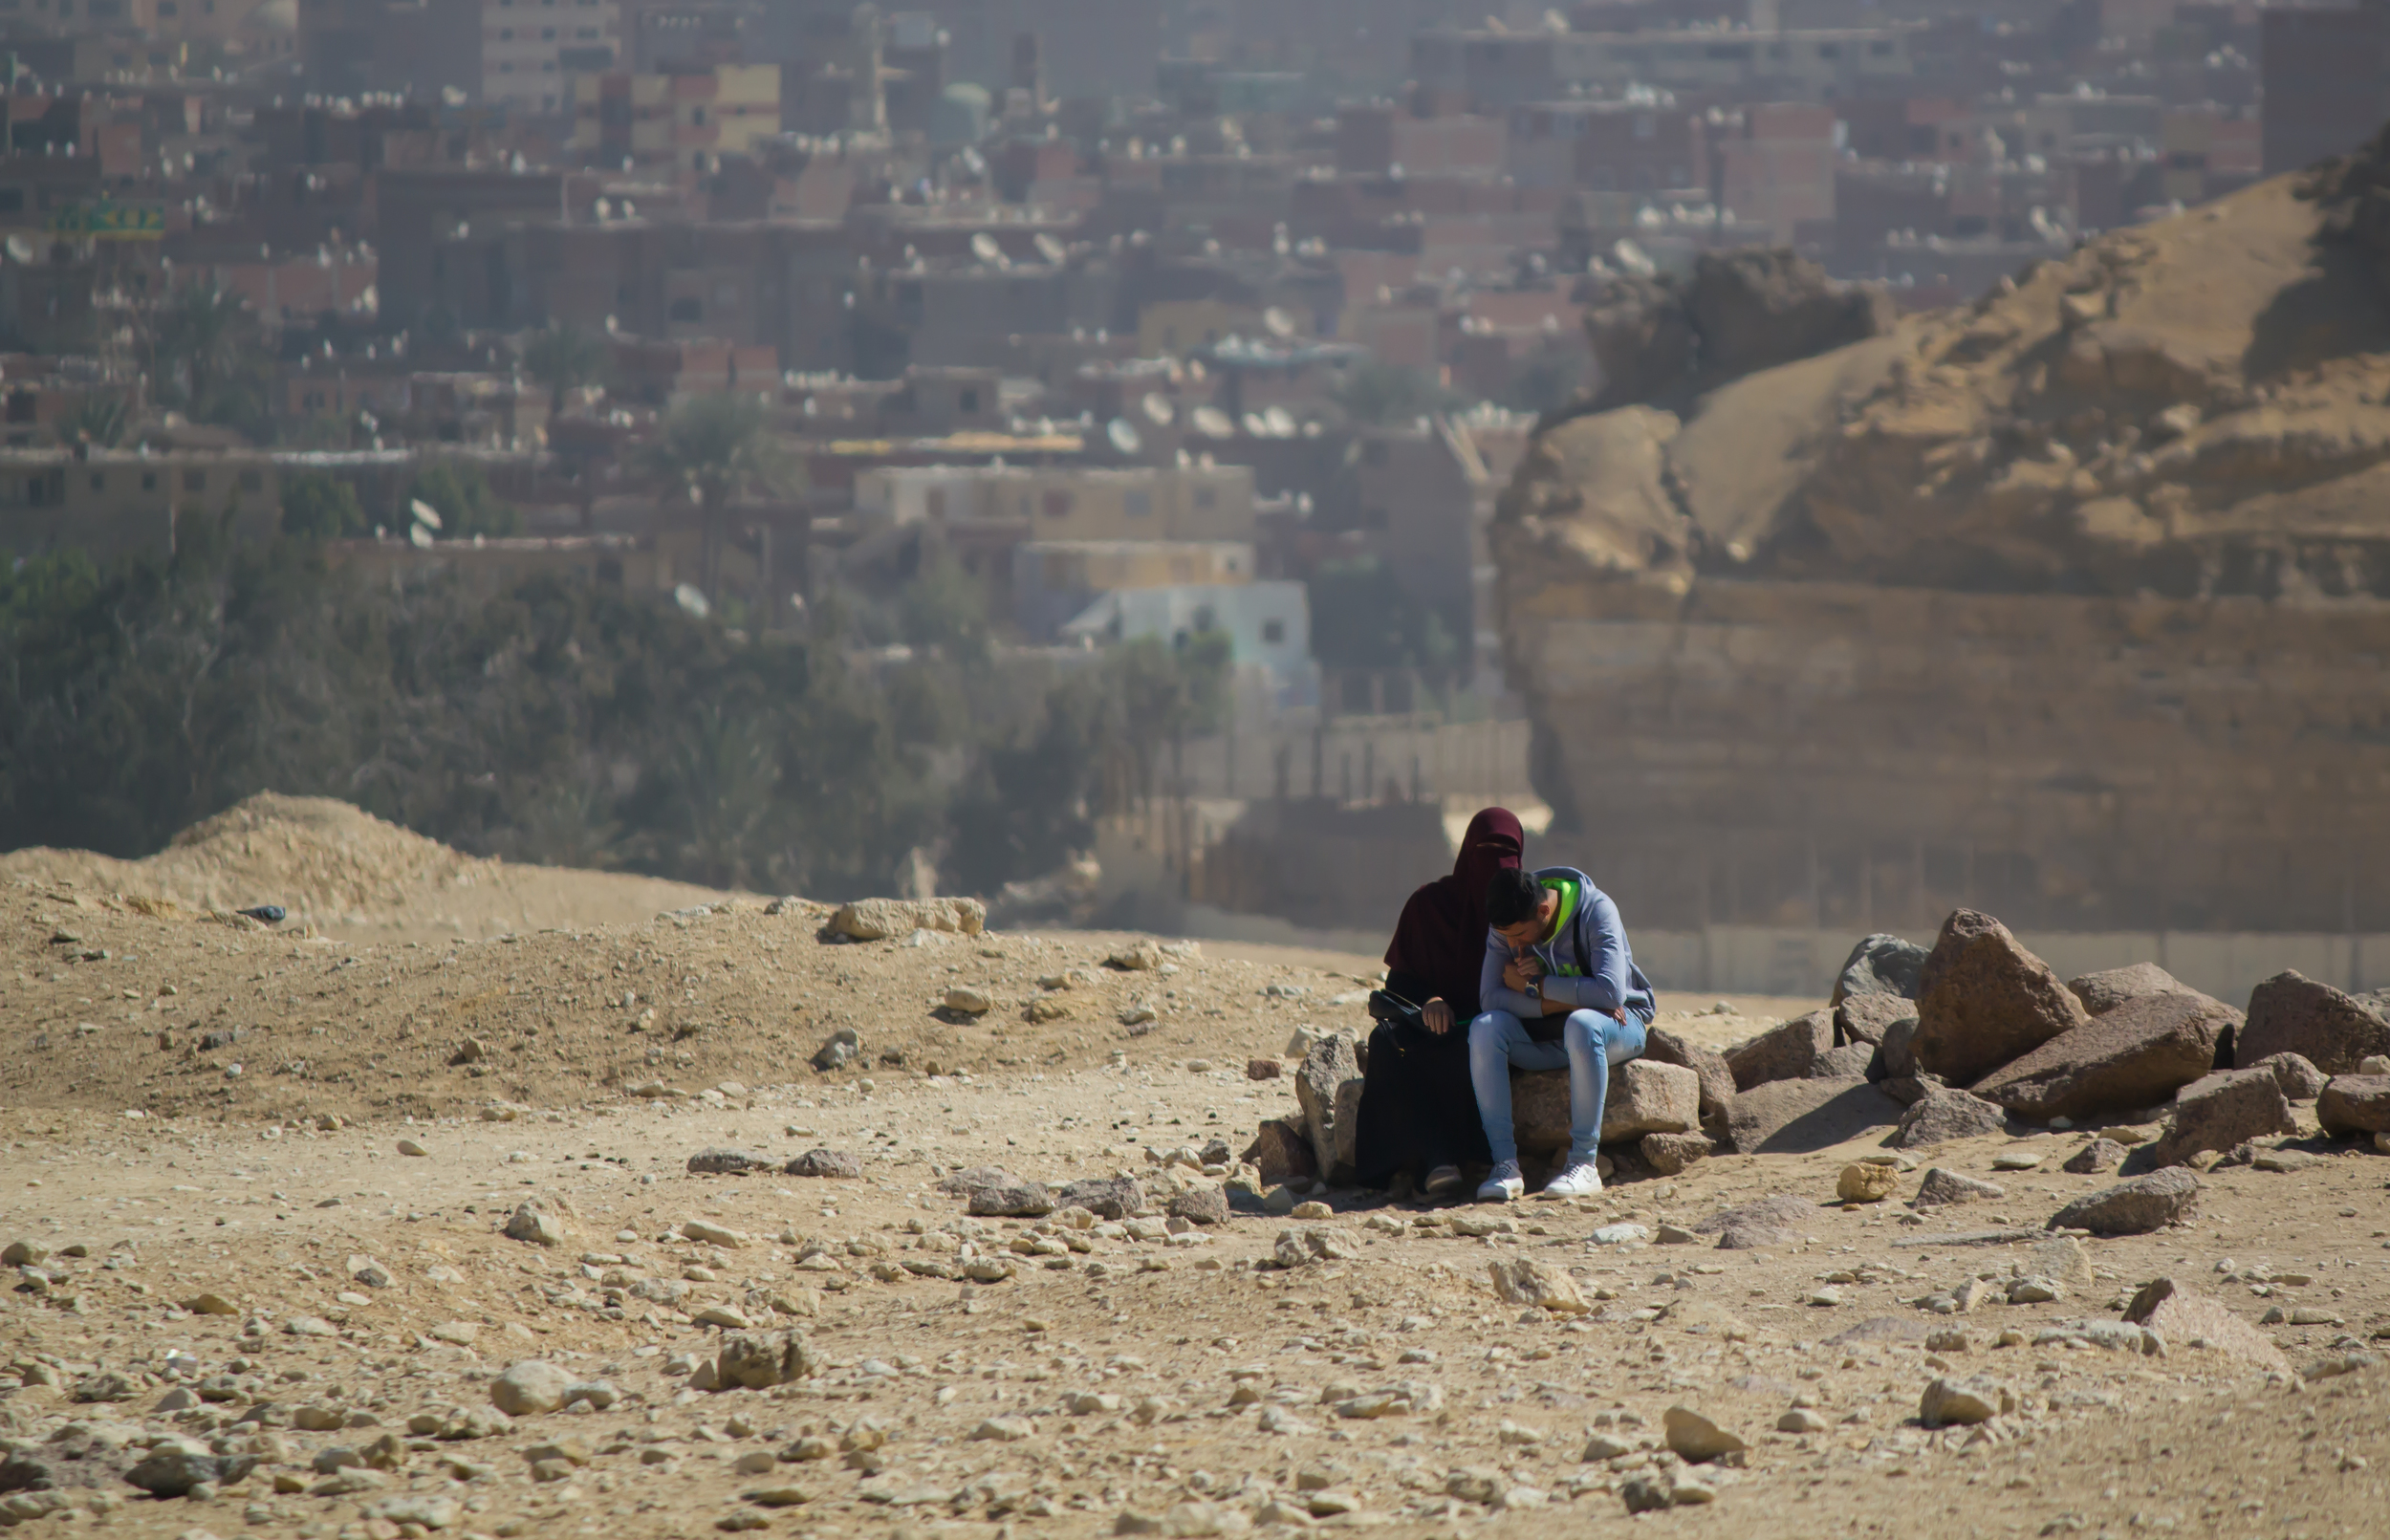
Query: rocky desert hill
point(2192, 408)
point(346, 873)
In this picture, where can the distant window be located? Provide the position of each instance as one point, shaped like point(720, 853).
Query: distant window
point(194, 481)
point(1206, 619)
point(166, 8)
point(689, 309)
point(505, 34)
point(1207, 497)
point(934, 502)
point(1057, 503)
point(547, 34)
point(966, 399)
point(1273, 633)
point(1830, 51)
point(1881, 50)
point(99, 481)
point(150, 481)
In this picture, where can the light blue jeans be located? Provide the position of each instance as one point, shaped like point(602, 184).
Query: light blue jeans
point(1591, 1042)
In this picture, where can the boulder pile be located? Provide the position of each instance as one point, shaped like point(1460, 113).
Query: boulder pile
point(1952, 1041)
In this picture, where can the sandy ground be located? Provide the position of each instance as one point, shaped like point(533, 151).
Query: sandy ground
point(1123, 1379)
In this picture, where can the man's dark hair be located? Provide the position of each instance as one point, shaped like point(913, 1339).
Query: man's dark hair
point(1511, 897)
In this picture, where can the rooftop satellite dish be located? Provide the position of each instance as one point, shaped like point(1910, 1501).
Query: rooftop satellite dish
point(419, 535)
point(1212, 423)
point(1281, 423)
point(1277, 322)
point(984, 247)
point(1632, 259)
point(1157, 408)
point(1124, 435)
point(687, 598)
point(1050, 248)
point(1255, 425)
point(20, 250)
point(425, 512)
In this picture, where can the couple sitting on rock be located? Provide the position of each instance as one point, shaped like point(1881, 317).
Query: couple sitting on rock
point(1490, 968)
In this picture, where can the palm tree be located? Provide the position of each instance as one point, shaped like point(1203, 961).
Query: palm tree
point(203, 331)
point(717, 447)
point(562, 357)
point(100, 421)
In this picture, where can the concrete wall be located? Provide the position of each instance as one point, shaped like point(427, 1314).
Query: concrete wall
point(1756, 960)
point(1844, 758)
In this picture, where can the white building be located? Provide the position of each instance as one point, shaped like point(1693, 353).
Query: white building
point(531, 49)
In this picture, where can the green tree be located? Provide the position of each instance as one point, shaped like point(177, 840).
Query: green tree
point(318, 507)
point(564, 357)
point(100, 421)
point(198, 338)
point(716, 449)
point(457, 491)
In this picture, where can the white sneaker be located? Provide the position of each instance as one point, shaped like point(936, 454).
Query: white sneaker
point(1576, 1181)
point(1503, 1184)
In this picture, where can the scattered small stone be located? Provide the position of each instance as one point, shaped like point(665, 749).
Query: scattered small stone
point(1864, 1183)
point(1695, 1438)
point(722, 1160)
point(833, 1164)
point(1942, 1187)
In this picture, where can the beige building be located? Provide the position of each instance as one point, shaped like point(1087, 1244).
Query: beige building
point(117, 500)
point(531, 49)
point(1189, 502)
point(682, 122)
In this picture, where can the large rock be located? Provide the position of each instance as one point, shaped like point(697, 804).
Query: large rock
point(1783, 1052)
point(888, 919)
point(531, 1387)
point(1661, 1046)
point(2355, 1104)
point(1898, 1049)
point(2136, 1053)
point(1121, 1198)
point(1643, 1098)
point(1880, 965)
point(1018, 1199)
point(1282, 1151)
point(2292, 1014)
point(1326, 1067)
point(2299, 1079)
point(1670, 1154)
point(758, 1360)
point(173, 1471)
point(1984, 1000)
point(1788, 1116)
point(2134, 1207)
point(1865, 1019)
point(2237, 1108)
point(1942, 1114)
point(1851, 1059)
point(1939, 1187)
point(1347, 1131)
point(2104, 991)
point(2188, 1318)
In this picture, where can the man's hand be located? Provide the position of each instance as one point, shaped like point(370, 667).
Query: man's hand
point(1436, 1016)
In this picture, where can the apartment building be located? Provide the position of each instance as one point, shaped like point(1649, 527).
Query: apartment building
point(683, 119)
point(531, 50)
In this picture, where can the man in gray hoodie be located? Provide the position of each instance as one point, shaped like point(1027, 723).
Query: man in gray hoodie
point(1559, 988)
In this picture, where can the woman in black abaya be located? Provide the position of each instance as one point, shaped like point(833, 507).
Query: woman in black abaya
point(1418, 1113)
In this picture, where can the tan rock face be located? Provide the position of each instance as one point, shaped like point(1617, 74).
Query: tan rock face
point(1958, 512)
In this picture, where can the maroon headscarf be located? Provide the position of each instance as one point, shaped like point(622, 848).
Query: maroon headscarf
point(1441, 938)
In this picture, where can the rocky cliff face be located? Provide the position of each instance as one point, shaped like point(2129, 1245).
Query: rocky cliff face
point(2194, 408)
point(2059, 601)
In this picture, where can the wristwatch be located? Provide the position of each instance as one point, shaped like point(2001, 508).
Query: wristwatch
point(1536, 989)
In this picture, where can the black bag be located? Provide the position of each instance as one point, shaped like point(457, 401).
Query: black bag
point(1394, 1011)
